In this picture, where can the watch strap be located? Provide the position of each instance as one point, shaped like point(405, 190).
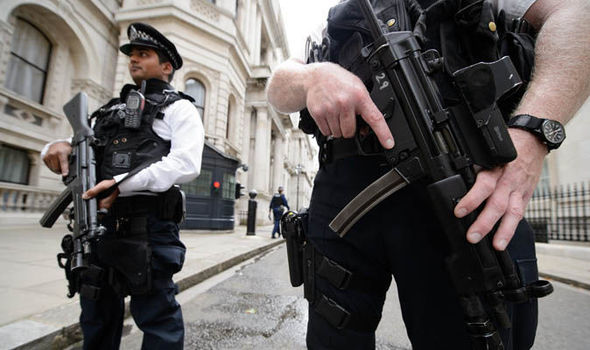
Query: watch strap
point(525, 121)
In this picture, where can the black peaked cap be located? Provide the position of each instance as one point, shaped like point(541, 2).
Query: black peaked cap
point(141, 34)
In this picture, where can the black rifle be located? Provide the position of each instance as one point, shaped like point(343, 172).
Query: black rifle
point(81, 177)
point(440, 146)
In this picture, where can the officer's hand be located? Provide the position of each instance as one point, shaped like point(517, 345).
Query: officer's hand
point(334, 97)
point(106, 202)
point(506, 190)
point(56, 157)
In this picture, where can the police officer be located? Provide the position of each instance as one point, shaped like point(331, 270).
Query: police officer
point(400, 237)
point(277, 206)
point(143, 149)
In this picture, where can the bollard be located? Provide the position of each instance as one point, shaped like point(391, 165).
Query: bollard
point(251, 223)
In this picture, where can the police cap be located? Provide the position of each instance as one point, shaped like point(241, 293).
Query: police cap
point(141, 34)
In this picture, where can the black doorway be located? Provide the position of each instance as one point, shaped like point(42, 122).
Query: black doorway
point(210, 198)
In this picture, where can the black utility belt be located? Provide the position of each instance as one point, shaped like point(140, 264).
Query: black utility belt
point(167, 205)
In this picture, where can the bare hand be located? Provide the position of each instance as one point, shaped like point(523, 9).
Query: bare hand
point(506, 190)
point(56, 157)
point(106, 202)
point(335, 97)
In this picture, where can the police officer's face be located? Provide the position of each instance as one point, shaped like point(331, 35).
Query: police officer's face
point(144, 64)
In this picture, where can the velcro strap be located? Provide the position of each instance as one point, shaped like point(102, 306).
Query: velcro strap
point(92, 275)
point(340, 318)
point(335, 314)
point(89, 292)
point(337, 275)
point(342, 278)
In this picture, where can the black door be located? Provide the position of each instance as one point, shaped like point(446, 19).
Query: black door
point(210, 198)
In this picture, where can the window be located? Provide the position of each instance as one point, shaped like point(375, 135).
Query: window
point(227, 126)
point(229, 186)
point(201, 186)
point(14, 165)
point(29, 61)
point(196, 90)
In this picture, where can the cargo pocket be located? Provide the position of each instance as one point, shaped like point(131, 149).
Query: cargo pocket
point(168, 259)
point(129, 261)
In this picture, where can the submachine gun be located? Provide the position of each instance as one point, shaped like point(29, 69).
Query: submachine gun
point(440, 146)
point(81, 177)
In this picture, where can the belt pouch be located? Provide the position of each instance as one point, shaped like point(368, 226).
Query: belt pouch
point(292, 229)
point(170, 205)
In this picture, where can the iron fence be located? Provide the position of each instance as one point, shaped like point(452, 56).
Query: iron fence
point(561, 213)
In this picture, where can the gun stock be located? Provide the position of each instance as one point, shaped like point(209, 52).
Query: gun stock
point(76, 110)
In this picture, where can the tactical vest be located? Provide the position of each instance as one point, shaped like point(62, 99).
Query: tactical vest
point(464, 32)
point(119, 149)
point(276, 201)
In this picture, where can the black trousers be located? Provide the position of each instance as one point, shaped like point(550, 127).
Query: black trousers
point(401, 238)
point(156, 313)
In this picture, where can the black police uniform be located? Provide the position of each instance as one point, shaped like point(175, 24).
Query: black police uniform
point(400, 237)
point(141, 249)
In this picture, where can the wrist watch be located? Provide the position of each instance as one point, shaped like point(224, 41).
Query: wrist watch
point(550, 132)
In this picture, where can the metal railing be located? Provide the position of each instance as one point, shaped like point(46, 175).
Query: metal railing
point(561, 213)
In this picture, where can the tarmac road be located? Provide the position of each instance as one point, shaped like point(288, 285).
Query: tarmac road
point(253, 306)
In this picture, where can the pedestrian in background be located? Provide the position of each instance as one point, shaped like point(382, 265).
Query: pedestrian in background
point(277, 206)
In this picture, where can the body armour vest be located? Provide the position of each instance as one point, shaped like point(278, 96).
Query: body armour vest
point(464, 32)
point(121, 149)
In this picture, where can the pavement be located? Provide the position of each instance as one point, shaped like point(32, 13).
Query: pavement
point(36, 314)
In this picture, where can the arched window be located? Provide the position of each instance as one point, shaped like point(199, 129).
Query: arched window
point(29, 61)
point(196, 90)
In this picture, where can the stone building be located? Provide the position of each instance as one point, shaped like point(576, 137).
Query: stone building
point(50, 50)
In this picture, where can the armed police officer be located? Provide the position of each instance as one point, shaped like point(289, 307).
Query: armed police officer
point(401, 236)
point(277, 206)
point(147, 140)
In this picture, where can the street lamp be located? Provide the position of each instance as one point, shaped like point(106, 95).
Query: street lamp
point(298, 169)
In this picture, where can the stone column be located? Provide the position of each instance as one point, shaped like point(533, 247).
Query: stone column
point(257, 38)
point(262, 151)
point(35, 168)
point(245, 143)
point(278, 166)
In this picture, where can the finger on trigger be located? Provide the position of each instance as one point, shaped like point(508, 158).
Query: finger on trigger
point(348, 123)
point(64, 166)
point(334, 124)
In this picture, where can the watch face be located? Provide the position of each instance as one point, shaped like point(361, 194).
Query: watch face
point(553, 131)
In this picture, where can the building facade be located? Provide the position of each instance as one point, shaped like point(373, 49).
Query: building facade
point(50, 50)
